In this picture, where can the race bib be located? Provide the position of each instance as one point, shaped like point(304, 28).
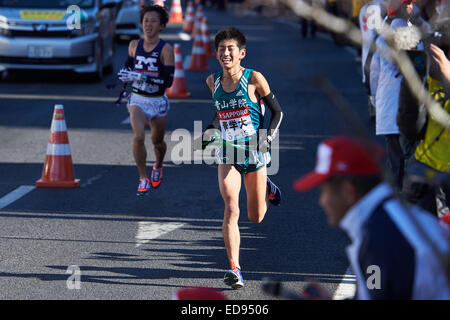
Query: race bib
point(236, 124)
point(145, 86)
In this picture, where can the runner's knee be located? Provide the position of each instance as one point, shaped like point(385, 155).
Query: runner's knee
point(139, 139)
point(231, 214)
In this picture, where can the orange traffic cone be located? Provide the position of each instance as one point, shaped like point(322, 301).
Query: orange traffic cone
point(178, 88)
point(188, 25)
point(198, 56)
point(176, 13)
point(58, 167)
point(198, 22)
point(205, 35)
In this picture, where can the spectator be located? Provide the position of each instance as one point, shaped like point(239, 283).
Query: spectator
point(332, 8)
point(308, 24)
point(370, 15)
point(396, 252)
point(385, 79)
point(432, 155)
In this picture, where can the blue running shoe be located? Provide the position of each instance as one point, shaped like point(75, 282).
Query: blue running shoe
point(274, 193)
point(144, 187)
point(233, 278)
point(156, 177)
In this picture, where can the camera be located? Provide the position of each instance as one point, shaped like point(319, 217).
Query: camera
point(438, 38)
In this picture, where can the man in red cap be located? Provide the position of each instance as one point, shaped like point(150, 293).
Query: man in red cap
point(396, 251)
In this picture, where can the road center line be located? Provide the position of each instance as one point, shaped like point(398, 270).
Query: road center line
point(15, 195)
point(152, 230)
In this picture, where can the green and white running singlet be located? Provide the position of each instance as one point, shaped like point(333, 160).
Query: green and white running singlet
point(240, 120)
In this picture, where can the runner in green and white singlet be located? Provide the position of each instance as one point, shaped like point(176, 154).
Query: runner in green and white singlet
point(240, 120)
point(236, 92)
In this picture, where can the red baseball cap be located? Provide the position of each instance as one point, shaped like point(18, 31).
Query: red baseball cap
point(342, 156)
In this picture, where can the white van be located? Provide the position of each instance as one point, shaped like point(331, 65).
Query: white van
point(73, 35)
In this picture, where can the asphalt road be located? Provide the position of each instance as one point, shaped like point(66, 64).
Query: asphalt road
point(125, 247)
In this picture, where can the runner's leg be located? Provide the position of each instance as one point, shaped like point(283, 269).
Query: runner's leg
point(137, 119)
point(158, 129)
point(256, 187)
point(230, 185)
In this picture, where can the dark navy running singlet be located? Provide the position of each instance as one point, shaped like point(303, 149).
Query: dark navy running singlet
point(150, 63)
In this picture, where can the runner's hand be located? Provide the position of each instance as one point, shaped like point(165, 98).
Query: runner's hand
point(207, 137)
point(126, 75)
point(264, 144)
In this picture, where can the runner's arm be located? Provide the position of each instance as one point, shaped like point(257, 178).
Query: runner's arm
point(208, 135)
point(277, 115)
point(128, 66)
point(215, 121)
point(129, 63)
point(269, 99)
point(168, 69)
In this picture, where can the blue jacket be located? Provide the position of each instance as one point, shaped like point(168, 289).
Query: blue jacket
point(396, 252)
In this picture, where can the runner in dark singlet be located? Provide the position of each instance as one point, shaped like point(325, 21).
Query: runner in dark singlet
point(150, 68)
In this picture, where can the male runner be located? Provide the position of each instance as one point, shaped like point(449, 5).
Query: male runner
point(150, 67)
point(236, 93)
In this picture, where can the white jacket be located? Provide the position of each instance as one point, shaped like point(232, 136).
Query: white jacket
point(368, 32)
point(385, 79)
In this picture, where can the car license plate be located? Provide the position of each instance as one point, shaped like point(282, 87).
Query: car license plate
point(40, 52)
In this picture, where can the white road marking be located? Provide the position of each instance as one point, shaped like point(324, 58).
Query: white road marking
point(345, 289)
point(148, 230)
point(15, 195)
point(94, 178)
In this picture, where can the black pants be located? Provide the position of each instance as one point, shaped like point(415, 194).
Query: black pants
point(308, 24)
point(417, 190)
point(398, 150)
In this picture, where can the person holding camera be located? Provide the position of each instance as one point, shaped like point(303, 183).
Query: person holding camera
point(428, 172)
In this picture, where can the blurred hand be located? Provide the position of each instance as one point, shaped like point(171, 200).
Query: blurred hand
point(263, 144)
point(442, 61)
point(126, 75)
point(204, 140)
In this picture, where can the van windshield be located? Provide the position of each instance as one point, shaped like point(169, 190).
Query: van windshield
point(48, 4)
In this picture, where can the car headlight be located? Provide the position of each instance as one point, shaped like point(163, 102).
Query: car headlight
point(4, 28)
